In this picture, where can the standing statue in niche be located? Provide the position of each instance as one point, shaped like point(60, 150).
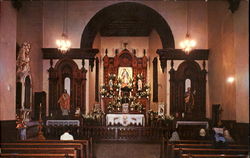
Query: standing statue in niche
point(125, 77)
point(64, 102)
point(189, 99)
point(139, 84)
point(23, 59)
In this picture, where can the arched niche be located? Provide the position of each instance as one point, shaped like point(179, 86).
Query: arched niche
point(66, 74)
point(24, 95)
point(132, 11)
point(188, 75)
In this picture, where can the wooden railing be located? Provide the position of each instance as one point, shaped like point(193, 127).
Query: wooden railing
point(150, 134)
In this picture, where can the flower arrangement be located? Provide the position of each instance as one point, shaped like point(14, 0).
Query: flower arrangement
point(94, 117)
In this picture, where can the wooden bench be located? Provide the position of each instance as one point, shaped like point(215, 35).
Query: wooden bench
point(76, 146)
point(87, 144)
point(208, 151)
point(212, 156)
point(38, 155)
point(65, 151)
point(201, 147)
point(166, 146)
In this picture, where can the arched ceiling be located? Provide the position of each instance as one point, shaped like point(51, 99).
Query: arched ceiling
point(127, 19)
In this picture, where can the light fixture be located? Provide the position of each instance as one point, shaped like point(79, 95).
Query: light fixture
point(230, 79)
point(64, 43)
point(187, 44)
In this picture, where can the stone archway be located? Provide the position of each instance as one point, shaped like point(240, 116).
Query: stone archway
point(129, 10)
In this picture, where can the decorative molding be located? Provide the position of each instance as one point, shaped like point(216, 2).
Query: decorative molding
point(73, 53)
point(178, 54)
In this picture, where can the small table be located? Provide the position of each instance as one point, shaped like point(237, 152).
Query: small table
point(192, 123)
point(125, 119)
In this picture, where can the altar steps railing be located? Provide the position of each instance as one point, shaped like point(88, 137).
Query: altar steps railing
point(133, 134)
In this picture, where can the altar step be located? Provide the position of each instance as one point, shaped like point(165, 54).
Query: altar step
point(126, 150)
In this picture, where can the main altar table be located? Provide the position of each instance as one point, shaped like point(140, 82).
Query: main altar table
point(125, 119)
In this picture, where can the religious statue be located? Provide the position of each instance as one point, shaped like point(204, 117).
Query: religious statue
point(189, 100)
point(64, 102)
point(111, 84)
point(125, 77)
point(139, 84)
point(78, 112)
point(23, 60)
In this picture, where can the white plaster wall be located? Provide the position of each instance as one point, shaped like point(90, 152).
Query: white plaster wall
point(241, 47)
point(8, 24)
point(228, 43)
point(29, 28)
point(154, 44)
point(112, 43)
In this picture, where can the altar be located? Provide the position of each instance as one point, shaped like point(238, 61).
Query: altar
point(125, 119)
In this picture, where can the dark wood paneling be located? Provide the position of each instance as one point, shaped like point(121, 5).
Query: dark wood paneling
point(242, 132)
point(97, 80)
point(73, 53)
point(8, 131)
point(155, 80)
point(178, 54)
point(40, 98)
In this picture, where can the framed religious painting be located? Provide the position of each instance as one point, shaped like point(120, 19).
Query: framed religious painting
point(125, 76)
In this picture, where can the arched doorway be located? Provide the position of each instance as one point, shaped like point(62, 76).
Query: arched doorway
point(130, 15)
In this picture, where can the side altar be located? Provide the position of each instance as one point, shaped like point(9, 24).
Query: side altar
point(125, 89)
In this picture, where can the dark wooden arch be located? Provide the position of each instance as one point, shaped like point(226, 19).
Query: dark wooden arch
point(67, 68)
point(189, 69)
point(134, 11)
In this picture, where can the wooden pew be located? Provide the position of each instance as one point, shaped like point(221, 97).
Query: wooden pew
point(65, 151)
point(38, 155)
point(208, 151)
point(87, 145)
point(58, 145)
point(168, 148)
point(211, 155)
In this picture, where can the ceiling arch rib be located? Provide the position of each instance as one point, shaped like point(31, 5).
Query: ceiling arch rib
point(127, 19)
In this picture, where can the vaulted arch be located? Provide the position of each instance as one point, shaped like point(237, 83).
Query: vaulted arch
point(129, 13)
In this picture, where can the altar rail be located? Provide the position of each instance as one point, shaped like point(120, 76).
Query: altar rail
point(147, 134)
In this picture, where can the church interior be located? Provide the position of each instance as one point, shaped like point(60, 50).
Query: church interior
point(119, 79)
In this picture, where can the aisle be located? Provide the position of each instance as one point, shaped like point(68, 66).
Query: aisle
point(126, 150)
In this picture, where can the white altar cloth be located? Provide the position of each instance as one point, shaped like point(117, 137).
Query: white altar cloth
point(125, 119)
